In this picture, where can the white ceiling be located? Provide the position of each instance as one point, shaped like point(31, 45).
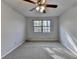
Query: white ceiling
point(24, 7)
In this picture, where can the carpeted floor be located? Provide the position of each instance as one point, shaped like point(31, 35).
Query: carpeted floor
point(40, 50)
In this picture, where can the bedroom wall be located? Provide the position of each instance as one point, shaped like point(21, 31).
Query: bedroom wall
point(52, 36)
point(12, 29)
point(68, 20)
point(68, 29)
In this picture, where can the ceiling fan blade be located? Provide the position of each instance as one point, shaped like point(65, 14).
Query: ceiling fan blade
point(51, 6)
point(33, 9)
point(30, 1)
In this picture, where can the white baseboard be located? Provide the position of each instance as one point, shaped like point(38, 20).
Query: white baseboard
point(12, 49)
point(42, 39)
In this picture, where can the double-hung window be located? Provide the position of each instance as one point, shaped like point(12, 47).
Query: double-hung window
point(41, 25)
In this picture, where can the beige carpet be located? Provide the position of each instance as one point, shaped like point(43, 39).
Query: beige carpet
point(41, 50)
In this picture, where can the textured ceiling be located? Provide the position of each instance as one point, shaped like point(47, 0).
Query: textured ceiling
point(24, 7)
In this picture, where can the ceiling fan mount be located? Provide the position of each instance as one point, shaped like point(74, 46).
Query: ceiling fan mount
point(41, 5)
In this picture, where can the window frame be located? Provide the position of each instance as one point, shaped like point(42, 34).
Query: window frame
point(42, 26)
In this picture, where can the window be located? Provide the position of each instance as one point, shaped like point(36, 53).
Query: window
point(41, 25)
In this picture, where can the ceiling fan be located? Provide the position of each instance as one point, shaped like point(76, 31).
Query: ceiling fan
point(41, 5)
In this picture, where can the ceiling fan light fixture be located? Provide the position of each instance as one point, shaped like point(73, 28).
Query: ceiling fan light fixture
point(37, 8)
point(40, 9)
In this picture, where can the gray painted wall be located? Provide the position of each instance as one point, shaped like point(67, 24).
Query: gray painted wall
point(12, 29)
point(68, 20)
point(68, 29)
point(53, 35)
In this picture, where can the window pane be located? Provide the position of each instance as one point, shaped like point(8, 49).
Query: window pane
point(37, 23)
point(46, 29)
point(48, 23)
point(44, 23)
point(37, 29)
